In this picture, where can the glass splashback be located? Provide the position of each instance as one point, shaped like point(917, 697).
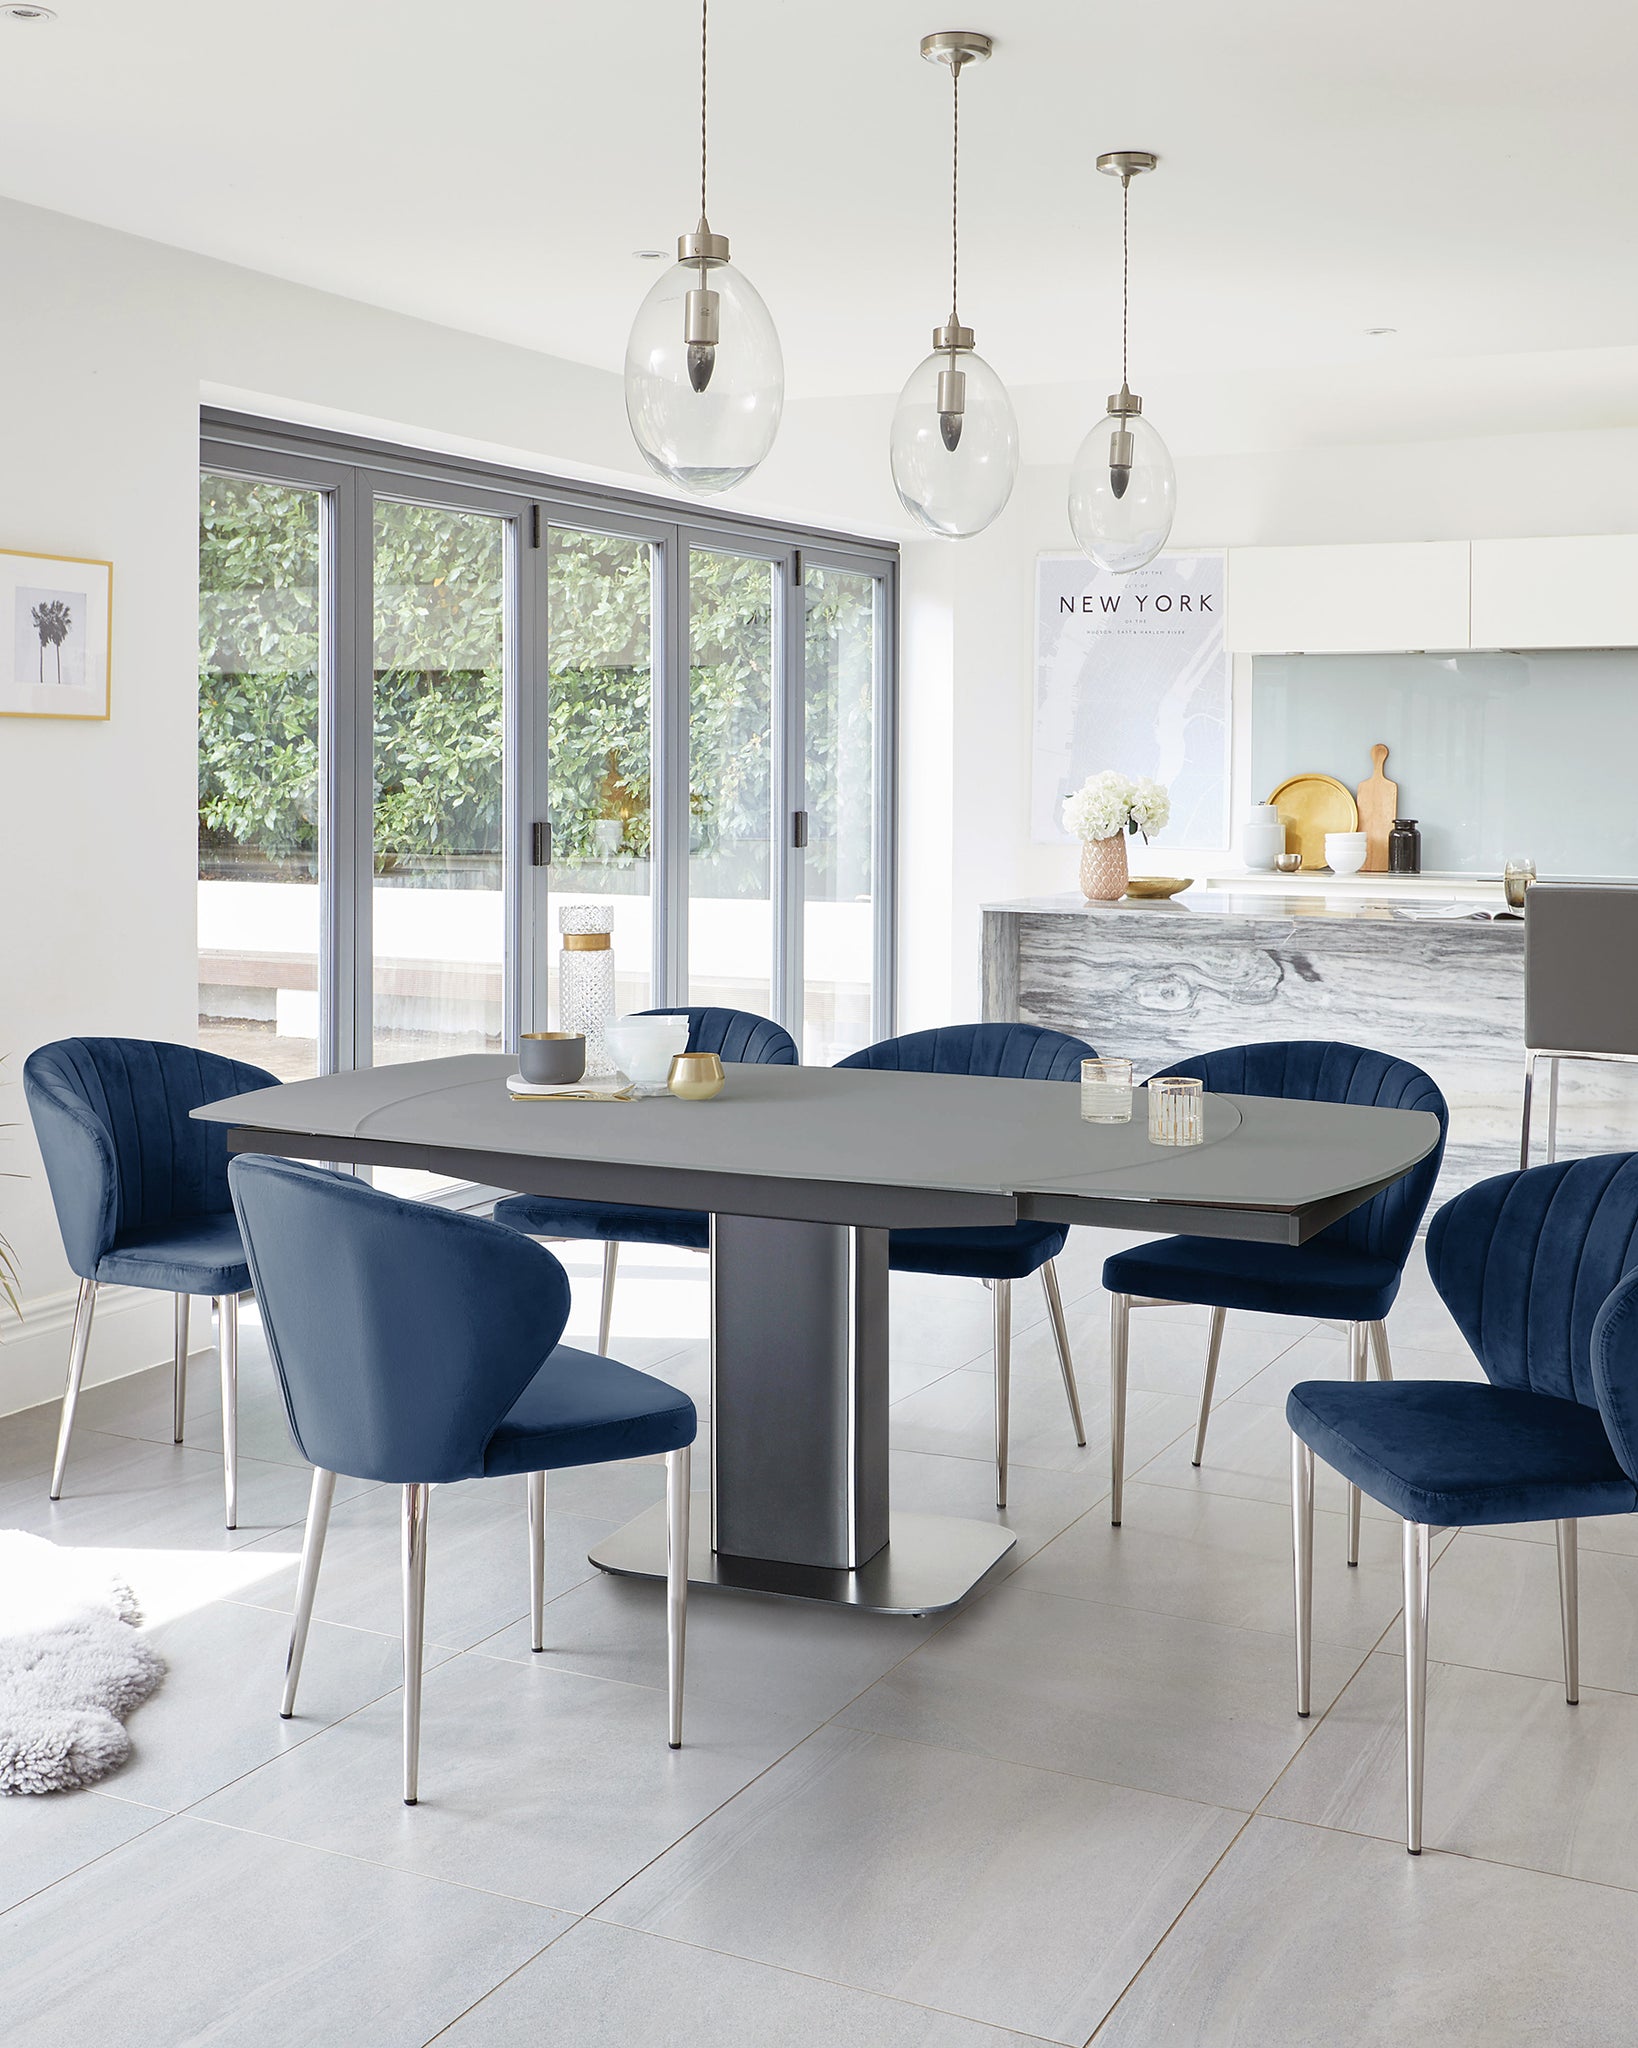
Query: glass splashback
point(1494, 754)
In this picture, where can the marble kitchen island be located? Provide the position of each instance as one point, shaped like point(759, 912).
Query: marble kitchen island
point(1431, 981)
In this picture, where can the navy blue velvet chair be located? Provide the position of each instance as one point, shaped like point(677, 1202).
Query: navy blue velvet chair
point(736, 1035)
point(417, 1346)
point(997, 1254)
point(1348, 1274)
point(141, 1195)
point(1540, 1271)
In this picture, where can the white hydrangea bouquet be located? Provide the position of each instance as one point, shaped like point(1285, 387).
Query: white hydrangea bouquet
point(1102, 813)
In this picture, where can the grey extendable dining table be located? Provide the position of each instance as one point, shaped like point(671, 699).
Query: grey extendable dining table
point(804, 1170)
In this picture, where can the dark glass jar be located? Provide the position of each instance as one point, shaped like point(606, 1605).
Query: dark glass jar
point(1404, 848)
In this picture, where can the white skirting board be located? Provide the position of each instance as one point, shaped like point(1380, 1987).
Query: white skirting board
point(134, 1329)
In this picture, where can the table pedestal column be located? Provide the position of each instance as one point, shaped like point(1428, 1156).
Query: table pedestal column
point(799, 1448)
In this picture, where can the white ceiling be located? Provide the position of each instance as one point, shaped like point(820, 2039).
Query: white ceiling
point(1465, 171)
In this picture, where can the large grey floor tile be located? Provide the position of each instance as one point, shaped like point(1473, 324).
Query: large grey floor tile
point(541, 1784)
point(123, 1491)
point(938, 1323)
point(1494, 1604)
point(955, 1418)
point(1513, 1774)
point(1017, 1897)
point(1222, 1559)
point(45, 1837)
point(1323, 1355)
point(1151, 1701)
point(1304, 1936)
point(195, 1934)
point(608, 1987)
point(1248, 1455)
point(477, 1560)
point(798, 1659)
point(216, 1715)
point(1040, 1503)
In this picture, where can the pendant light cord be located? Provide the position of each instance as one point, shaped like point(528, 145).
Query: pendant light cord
point(705, 7)
point(1125, 269)
point(955, 187)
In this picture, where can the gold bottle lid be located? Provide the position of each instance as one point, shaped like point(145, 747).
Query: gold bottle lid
point(586, 942)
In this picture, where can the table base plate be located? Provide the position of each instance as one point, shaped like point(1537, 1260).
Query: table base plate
point(929, 1563)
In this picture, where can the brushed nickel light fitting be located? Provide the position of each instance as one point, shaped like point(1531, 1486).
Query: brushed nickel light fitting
point(1123, 488)
point(705, 377)
point(954, 447)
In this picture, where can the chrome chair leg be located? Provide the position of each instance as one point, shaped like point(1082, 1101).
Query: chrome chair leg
point(678, 1470)
point(227, 1343)
point(1552, 1110)
point(1302, 1552)
point(1379, 1350)
point(1357, 1365)
point(1001, 1300)
point(179, 1377)
point(416, 1499)
point(1569, 1607)
point(605, 1314)
point(312, 1556)
point(1120, 1330)
point(1060, 1336)
point(1416, 1676)
point(537, 1560)
point(84, 1309)
point(1524, 1121)
point(1214, 1346)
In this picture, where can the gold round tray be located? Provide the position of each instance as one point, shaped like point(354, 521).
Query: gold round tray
point(1158, 887)
point(1309, 807)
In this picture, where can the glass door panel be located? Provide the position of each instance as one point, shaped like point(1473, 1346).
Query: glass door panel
point(839, 771)
point(732, 667)
point(260, 637)
point(438, 905)
point(600, 722)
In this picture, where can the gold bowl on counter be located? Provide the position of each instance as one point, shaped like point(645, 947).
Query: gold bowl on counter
point(1156, 888)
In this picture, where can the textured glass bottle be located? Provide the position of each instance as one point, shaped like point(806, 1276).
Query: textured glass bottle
point(585, 980)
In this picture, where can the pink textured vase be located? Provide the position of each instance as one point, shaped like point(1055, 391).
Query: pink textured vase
point(1103, 868)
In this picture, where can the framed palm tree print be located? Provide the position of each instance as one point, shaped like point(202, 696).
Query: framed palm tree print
point(54, 635)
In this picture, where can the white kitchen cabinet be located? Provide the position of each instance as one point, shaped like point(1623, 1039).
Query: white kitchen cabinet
point(1362, 599)
point(1554, 593)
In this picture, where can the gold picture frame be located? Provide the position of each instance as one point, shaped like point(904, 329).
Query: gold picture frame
point(56, 635)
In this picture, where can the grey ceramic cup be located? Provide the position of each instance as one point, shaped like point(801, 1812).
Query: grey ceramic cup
point(550, 1059)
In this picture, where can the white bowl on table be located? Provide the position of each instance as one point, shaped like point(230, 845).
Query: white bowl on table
point(645, 1048)
point(1345, 852)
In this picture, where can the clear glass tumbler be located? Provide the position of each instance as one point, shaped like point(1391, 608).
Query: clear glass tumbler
point(1177, 1110)
point(1106, 1091)
point(1517, 876)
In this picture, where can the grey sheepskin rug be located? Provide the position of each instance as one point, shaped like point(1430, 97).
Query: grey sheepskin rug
point(72, 1666)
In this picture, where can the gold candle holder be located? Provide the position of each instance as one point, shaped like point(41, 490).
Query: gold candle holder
point(1176, 1110)
point(695, 1076)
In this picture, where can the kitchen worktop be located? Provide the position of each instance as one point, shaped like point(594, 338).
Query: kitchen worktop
point(1265, 904)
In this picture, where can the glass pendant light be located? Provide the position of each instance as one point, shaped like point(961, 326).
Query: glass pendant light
point(955, 436)
point(1123, 488)
point(705, 379)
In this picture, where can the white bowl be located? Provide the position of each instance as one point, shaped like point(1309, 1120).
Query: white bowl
point(1345, 852)
point(645, 1048)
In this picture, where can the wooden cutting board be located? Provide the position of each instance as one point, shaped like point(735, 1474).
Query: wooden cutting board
point(1378, 807)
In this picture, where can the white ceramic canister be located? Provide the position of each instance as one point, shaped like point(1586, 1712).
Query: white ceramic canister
point(1262, 836)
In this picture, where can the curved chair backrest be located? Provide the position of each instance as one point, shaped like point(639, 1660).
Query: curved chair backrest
point(1009, 1052)
point(1326, 1070)
point(401, 1333)
point(738, 1035)
point(1615, 1371)
point(1526, 1262)
point(121, 1151)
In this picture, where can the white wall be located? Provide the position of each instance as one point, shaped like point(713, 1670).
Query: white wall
point(110, 343)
